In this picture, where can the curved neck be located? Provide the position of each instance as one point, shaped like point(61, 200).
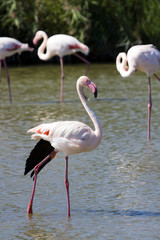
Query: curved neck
point(94, 118)
point(41, 54)
point(121, 64)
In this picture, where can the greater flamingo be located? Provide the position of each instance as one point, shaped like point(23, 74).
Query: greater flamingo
point(145, 58)
point(69, 137)
point(8, 47)
point(60, 45)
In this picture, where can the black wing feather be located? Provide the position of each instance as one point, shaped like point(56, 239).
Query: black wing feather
point(40, 151)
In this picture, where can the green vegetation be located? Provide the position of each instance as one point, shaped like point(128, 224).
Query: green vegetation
point(106, 26)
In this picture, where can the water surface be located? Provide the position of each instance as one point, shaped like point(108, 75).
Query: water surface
point(114, 190)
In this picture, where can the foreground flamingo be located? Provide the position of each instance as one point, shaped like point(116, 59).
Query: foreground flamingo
point(8, 47)
point(145, 58)
point(69, 137)
point(60, 45)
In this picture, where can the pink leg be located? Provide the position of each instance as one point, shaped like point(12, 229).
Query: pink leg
point(0, 69)
point(149, 107)
point(84, 60)
point(67, 186)
point(62, 79)
point(156, 77)
point(8, 78)
point(52, 155)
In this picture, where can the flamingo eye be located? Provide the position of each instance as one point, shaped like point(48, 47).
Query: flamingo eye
point(88, 81)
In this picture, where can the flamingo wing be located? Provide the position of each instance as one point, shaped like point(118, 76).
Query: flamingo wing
point(69, 137)
point(40, 151)
point(62, 44)
point(145, 57)
point(8, 46)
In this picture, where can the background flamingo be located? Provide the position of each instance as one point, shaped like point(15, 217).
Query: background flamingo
point(60, 45)
point(69, 137)
point(8, 47)
point(145, 58)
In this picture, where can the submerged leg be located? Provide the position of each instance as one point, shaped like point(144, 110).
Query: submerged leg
point(149, 107)
point(84, 60)
point(62, 79)
point(36, 170)
point(8, 78)
point(67, 186)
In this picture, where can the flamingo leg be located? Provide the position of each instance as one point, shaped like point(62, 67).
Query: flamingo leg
point(157, 77)
point(67, 186)
point(149, 107)
point(8, 78)
point(62, 79)
point(84, 60)
point(0, 69)
point(36, 170)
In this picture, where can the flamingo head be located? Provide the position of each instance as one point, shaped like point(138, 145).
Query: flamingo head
point(84, 81)
point(85, 49)
point(121, 63)
point(39, 35)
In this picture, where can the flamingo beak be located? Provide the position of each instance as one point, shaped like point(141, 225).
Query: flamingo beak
point(93, 88)
point(34, 41)
point(96, 93)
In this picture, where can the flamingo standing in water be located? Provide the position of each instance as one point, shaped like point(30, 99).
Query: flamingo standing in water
point(69, 137)
point(8, 47)
point(61, 45)
point(145, 58)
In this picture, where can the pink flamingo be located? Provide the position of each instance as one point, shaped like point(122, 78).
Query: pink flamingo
point(145, 58)
point(61, 45)
point(8, 47)
point(69, 137)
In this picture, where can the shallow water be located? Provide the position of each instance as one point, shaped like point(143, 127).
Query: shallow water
point(114, 190)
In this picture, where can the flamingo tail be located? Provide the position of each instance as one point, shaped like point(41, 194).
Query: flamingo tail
point(40, 151)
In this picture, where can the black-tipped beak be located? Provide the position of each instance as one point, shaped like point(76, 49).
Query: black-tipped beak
point(93, 87)
point(96, 93)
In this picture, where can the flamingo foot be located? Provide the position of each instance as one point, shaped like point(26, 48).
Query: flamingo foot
point(29, 209)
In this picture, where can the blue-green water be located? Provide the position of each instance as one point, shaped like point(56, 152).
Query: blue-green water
point(114, 190)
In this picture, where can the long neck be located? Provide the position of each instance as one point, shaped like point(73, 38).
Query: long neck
point(94, 118)
point(121, 64)
point(41, 54)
